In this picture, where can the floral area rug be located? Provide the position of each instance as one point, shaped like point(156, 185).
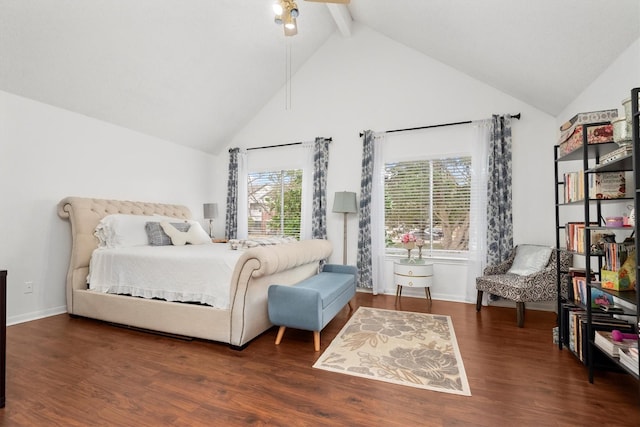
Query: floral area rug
point(414, 349)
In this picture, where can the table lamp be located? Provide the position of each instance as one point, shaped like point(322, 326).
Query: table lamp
point(210, 212)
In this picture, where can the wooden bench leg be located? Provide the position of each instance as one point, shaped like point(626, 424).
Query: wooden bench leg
point(479, 301)
point(352, 305)
point(316, 340)
point(280, 334)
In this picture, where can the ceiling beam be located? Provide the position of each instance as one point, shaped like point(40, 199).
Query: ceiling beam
point(342, 16)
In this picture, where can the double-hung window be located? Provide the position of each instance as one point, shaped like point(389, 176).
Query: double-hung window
point(431, 199)
point(274, 203)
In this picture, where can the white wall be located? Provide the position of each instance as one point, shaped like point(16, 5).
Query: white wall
point(46, 154)
point(610, 88)
point(368, 81)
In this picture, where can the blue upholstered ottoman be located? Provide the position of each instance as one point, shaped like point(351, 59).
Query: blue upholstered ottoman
point(312, 303)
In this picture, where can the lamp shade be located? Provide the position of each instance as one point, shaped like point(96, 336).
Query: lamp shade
point(210, 210)
point(345, 202)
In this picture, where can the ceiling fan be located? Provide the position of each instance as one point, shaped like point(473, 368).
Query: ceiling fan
point(286, 12)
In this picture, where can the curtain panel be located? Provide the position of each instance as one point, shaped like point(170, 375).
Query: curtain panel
point(499, 191)
point(231, 221)
point(364, 264)
point(319, 204)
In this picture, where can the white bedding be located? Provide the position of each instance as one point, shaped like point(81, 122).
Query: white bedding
point(191, 273)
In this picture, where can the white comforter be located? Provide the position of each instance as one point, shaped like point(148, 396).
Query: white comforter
point(191, 273)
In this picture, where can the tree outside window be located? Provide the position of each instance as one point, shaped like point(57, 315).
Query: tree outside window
point(275, 202)
point(431, 199)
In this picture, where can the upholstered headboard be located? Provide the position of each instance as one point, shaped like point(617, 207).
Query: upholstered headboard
point(85, 214)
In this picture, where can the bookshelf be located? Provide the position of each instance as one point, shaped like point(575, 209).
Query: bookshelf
point(578, 320)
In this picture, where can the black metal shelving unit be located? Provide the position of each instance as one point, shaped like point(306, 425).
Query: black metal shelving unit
point(590, 155)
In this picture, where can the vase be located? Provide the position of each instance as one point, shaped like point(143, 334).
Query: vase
point(408, 246)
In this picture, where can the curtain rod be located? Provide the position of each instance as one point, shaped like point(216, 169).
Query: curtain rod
point(278, 145)
point(515, 116)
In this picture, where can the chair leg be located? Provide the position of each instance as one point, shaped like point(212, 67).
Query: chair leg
point(280, 334)
point(520, 314)
point(316, 340)
point(479, 300)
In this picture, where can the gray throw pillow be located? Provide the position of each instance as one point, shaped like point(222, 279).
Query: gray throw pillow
point(530, 259)
point(157, 236)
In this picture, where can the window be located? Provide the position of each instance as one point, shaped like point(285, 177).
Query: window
point(431, 199)
point(274, 203)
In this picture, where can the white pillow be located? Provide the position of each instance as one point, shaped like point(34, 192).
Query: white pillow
point(195, 235)
point(530, 259)
point(125, 230)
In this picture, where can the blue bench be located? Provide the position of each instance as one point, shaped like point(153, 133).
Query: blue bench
point(312, 303)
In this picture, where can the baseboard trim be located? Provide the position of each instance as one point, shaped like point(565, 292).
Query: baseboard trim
point(28, 317)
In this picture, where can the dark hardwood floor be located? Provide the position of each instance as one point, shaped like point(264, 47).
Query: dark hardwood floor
point(79, 372)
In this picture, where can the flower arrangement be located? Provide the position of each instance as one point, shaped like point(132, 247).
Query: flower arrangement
point(409, 242)
point(408, 238)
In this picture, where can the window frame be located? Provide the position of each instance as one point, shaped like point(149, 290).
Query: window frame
point(264, 174)
point(428, 249)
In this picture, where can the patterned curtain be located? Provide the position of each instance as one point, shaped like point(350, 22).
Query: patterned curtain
point(499, 206)
point(231, 224)
point(319, 209)
point(365, 268)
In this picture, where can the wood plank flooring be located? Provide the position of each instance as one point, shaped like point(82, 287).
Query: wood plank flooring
point(79, 372)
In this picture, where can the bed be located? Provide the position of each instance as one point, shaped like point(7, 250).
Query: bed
point(237, 322)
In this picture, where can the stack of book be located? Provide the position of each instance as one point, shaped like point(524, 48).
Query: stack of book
point(625, 150)
point(575, 328)
point(606, 343)
point(629, 358)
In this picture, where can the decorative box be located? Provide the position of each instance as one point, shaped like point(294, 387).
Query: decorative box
point(616, 280)
point(568, 127)
point(595, 135)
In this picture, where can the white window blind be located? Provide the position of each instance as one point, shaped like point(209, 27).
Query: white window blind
point(274, 203)
point(430, 199)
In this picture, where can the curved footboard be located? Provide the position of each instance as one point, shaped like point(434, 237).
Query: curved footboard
point(259, 268)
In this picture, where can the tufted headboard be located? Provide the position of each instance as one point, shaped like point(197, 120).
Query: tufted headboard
point(84, 215)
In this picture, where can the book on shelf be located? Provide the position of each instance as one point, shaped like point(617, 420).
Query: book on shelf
point(612, 309)
point(619, 271)
point(575, 238)
point(606, 343)
point(604, 185)
point(598, 297)
point(629, 359)
point(616, 254)
point(623, 151)
point(574, 328)
point(608, 185)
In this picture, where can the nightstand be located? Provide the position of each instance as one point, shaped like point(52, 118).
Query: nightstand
point(414, 275)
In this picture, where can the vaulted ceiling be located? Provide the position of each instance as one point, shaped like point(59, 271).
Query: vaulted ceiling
point(195, 71)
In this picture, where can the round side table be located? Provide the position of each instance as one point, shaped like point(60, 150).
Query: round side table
point(414, 275)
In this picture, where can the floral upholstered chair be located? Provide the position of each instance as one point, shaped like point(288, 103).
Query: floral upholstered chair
point(527, 275)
